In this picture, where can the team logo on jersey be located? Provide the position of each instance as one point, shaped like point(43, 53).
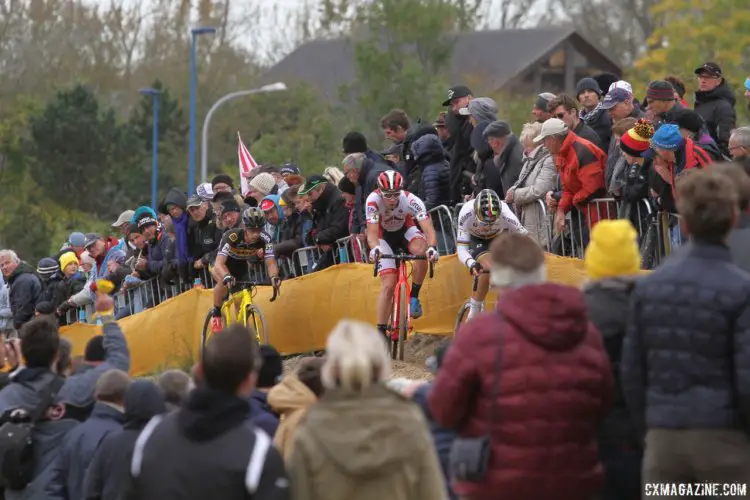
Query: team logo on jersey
point(233, 237)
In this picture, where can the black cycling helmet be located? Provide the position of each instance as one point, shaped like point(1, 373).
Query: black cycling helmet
point(253, 218)
point(487, 206)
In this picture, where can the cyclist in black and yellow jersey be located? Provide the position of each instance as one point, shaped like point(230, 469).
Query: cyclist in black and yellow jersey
point(237, 247)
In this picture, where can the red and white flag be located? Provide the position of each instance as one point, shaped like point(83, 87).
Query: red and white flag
point(247, 163)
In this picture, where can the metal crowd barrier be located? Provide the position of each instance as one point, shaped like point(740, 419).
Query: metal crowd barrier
point(539, 231)
point(350, 249)
point(445, 229)
point(305, 258)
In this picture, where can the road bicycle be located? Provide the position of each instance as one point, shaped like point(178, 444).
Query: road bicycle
point(239, 308)
point(463, 313)
point(399, 324)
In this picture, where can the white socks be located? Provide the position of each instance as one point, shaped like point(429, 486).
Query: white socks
point(475, 307)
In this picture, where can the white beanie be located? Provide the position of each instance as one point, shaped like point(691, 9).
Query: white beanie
point(263, 183)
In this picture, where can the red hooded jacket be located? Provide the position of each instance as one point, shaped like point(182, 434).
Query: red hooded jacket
point(555, 384)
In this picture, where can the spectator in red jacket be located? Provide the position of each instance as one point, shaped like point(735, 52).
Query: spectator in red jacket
point(547, 390)
point(581, 166)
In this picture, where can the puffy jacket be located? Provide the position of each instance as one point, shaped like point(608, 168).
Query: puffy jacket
point(717, 109)
point(410, 168)
point(205, 236)
point(554, 386)
point(78, 450)
point(600, 121)
point(331, 216)
point(581, 165)
point(434, 179)
point(686, 357)
point(608, 302)
point(25, 288)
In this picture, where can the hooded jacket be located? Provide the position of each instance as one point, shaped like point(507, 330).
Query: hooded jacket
point(369, 446)
point(108, 477)
point(331, 216)
point(433, 187)
point(716, 107)
point(25, 288)
point(274, 230)
point(290, 399)
point(205, 236)
point(600, 121)
point(160, 250)
point(78, 450)
point(554, 385)
point(212, 424)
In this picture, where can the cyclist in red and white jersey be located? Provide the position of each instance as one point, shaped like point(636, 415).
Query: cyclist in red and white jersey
point(479, 222)
point(394, 219)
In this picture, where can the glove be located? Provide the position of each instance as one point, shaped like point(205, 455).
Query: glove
point(374, 253)
point(432, 254)
point(228, 280)
point(475, 268)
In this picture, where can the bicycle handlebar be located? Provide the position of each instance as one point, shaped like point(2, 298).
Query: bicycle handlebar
point(402, 257)
point(253, 284)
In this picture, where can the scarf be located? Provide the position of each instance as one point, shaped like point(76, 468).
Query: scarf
point(181, 238)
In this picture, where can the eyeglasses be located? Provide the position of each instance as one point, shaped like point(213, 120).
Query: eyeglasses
point(391, 196)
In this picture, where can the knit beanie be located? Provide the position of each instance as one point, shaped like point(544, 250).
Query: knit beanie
point(271, 367)
point(47, 266)
point(638, 139)
point(263, 183)
point(668, 137)
point(222, 179)
point(66, 259)
point(605, 81)
point(660, 90)
point(612, 250)
point(689, 120)
point(587, 84)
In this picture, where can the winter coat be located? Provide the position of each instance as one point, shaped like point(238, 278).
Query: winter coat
point(585, 132)
point(372, 167)
point(607, 301)
point(291, 234)
point(205, 236)
point(433, 187)
point(486, 174)
point(410, 166)
point(510, 162)
point(442, 438)
point(160, 256)
point(331, 216)
point(581, 166)
point(290, 399)
point(615, 173)
point(686, 357)
point(707, 144)
point(261, 413)
point(686, 157)
point(460, 155)
point(71, 286)
point(554, 386)
point(52, 289)
point(716, 107)
point(600, 122)
point(25, 288)
point(371, 445)
point(537, 178)
point(6, 314)
point(78, 450)
point(108, 477)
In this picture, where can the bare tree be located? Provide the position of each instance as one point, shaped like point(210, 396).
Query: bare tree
point(509, 14)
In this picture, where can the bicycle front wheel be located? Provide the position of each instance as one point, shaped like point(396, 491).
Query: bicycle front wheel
point(403, 320)
point(463, 315)
point(254, 318)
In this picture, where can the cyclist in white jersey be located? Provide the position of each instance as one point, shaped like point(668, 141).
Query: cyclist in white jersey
point(479, 222)
point(394, 219)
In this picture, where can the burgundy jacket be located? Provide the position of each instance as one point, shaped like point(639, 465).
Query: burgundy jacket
point(555, 386)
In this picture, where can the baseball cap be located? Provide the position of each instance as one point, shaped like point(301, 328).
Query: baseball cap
point(711, 68)
point(497, 128)
point(621, 84)
point(230, 205)
point(615, 97)
point(267, 204)
point(456, 92)
point(77, 239)
point(289, 169)
point(205, 191)
point(124, 218)
point(194, 201)
point(553, 126)
point(311, 183)
point(91, 238)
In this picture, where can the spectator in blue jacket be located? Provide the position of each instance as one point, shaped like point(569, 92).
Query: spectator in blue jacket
point(685, 366)
point(159, 249)
point(80, 444)
point(261, 413)
point(434, 172)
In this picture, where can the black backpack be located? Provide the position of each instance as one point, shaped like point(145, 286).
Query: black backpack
point(16, 451)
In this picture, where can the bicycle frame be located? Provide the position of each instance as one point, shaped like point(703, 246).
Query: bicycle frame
point(233, 309)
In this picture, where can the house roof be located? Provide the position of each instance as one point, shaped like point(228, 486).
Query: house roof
point(495, 57)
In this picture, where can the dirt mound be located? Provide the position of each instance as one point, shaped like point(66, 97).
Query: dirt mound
point(419, 347)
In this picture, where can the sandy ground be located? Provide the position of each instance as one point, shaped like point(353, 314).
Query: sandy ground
point(419, 347)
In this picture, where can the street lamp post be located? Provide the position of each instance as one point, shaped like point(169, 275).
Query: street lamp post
point(195, 32)
point(273, 87)
point(154, 93)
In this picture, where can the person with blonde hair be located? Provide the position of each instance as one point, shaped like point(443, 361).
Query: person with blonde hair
point(362, 440)
point(538, 176)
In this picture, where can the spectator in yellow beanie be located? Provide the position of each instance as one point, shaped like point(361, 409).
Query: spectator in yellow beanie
point(612, 265)
point(613, 250)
